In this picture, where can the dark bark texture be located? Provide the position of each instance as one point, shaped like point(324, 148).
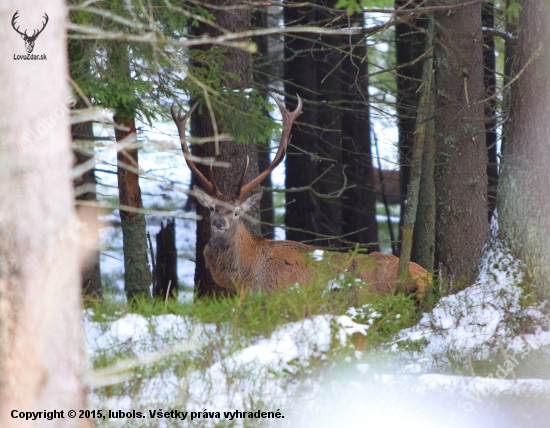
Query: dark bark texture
point(83, 135)
point(91, 273)
point(409, 45)
point(510, 69)
point(329, 124)
point(358, 202)
point(524, 201)
point(165, 283)
point(423, 250)
point(489, 81)
point(300, 73)
point(137, 273)
point(312, 71)
point(260, 20)
point(461, 154)
point(413, 191)
point(238, 63)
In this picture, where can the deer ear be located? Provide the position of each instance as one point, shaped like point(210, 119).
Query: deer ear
point(251, 201)
point(204, 198)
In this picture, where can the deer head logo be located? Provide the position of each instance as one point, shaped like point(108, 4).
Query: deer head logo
point(29, 40)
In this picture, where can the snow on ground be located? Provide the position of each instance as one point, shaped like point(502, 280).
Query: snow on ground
point(232, 379)
point(483, 320)
point(139, 334)
point(351, 399)
point(260, 376)
point(487, 321)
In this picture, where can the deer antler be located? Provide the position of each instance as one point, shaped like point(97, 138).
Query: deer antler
point(35, 34)
point(13, 19)
point(288, 120)
point(180, 122)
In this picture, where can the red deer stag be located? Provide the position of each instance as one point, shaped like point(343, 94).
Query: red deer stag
point(234, 256)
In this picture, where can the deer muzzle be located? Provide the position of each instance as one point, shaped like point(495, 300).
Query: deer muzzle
point(219, 224)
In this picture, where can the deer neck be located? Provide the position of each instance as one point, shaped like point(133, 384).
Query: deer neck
point(230, 254)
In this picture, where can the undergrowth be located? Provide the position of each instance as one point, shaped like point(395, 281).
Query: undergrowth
point(221, 332)
point(250, 315)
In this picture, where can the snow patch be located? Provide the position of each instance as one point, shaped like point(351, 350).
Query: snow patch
point(476, 322)
point(318, 255)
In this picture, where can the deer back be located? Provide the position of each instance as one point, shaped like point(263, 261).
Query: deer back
point(373, 273)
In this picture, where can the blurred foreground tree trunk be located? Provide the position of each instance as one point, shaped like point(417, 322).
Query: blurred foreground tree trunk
point(41, 337)
point(524, 200)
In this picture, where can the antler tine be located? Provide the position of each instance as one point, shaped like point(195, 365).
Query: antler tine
point(13, 19)
point(241, 181)
point(215, 189)
point(288, 121)
point(46, 17)
point(180, 124)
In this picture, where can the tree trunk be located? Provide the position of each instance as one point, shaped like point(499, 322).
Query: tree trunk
point(83, 136)
point(329, 130)
point(461, 162)
point(510, 69)
point(489, 81)
point(41, 337)
point(409, 45)
point(524, 201)
point(166, 268)
point(409, 217)
point(315, 145)
point(238, 63)
point(91, 274)
point(423, 249)
point(300, 75)
point(137, 273)
point(359, 202)
point(267, 215)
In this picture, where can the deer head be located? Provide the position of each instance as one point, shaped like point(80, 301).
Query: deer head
point(29, 40)
point(225, 210)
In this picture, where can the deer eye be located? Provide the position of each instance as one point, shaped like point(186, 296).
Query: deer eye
point(236, 213)
point(212, 209)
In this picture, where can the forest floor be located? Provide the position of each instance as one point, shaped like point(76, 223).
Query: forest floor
point(478, 357)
